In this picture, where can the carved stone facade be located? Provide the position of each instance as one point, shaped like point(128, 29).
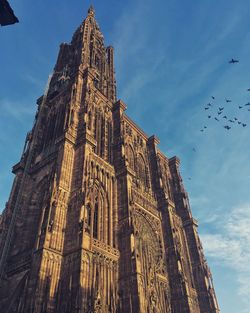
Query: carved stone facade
point(98, 219)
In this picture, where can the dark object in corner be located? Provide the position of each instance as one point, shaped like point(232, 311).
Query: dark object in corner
point(7, 16)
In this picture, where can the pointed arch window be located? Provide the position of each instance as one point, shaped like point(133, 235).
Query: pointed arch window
point(95, 221)
point(87, 218)
point(142, 172)
point(99, 133)
point(130, 157)
point(109, 141)
point(88, 215)
point(95, 123)
point(89, 120)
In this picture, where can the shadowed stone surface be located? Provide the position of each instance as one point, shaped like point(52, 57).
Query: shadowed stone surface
point(98, 219)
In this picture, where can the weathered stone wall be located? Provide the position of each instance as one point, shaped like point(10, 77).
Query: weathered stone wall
point(100, 219)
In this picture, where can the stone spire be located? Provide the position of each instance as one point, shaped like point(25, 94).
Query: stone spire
point(87, 50)
point(98, 219)
point(91, 11)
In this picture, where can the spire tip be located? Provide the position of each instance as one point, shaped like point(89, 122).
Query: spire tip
point(91, 10)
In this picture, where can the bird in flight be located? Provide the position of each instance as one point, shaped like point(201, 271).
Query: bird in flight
point(236, 119)
point(233, 61)
point(205, 127)
point(209, 116)
point(228, 100)
point(202, 130)
point(248, 103)
point(206, 108)
point(209, 104)
point(221, 109)
point(224, 116)
point(231, 121)
point(248, 89)
point(227, 127)
point(240, 107)
point(216, 119)
point(239, 123)
point(219, 112)
point(244, 125)
point(213, 97)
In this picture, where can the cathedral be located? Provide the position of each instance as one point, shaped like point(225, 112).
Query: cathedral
point(98, 220)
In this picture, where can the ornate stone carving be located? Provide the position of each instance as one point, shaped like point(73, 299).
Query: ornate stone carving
point(87, 217)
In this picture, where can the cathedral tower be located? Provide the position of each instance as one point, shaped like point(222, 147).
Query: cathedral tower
point(98, 219)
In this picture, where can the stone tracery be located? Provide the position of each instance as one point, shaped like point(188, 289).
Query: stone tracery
point(111, 226)
point(149, 255)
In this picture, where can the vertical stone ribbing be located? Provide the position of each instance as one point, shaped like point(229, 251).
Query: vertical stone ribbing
point(103, 222)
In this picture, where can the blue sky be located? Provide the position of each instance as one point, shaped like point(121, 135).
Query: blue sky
point(171, 57)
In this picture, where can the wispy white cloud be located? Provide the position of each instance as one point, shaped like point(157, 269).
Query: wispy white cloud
point(33, 80)
point(136, 58)
point(180, 50)
point(230, 246)
point(17, 110)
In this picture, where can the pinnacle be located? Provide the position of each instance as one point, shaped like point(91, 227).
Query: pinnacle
point(91, 10)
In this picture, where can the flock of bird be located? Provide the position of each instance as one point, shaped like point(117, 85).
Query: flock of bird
point(220, 114)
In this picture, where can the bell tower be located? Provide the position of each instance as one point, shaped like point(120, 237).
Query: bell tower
point(87, 50)
point(59, 249)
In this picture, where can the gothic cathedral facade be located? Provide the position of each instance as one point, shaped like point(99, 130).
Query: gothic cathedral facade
point(98, 219)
